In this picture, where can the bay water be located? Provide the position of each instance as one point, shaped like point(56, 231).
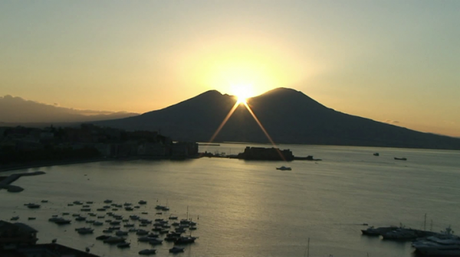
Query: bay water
point(248, 208)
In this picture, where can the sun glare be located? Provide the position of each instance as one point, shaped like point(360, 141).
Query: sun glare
point(242, 92)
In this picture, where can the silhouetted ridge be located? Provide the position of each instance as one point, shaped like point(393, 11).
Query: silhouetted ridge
point(207, 98)
point(289, 98)
point(289, 116)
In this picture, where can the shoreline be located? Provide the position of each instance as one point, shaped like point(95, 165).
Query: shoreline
point(13, 167)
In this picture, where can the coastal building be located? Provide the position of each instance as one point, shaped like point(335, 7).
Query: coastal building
point(184, 149)
point(261, 153)
point(152, 150)
point(15, 235)
point(19, 240)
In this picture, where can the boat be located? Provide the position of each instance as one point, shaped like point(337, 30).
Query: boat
point(371, 231)
point(171, 238)
point(84, 231)
point(134, 217)
point(97, 223)
point(123, 245)
point(147, 252)
point(176, 249)
point(121, 233)
point(32, 205)
point(284, 168)
point(376, 154)
point(443, 244)
point(162, 207)
point(142, 232)
point(61, 221)
point(401, 234)
point(102, 237)
point(80, 218)
point(155, 241)
point(401, 159)
point(185, 240)
point(114, 240)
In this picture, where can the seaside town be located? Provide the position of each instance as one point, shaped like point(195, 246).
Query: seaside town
point(90, 142)
point(86, 142)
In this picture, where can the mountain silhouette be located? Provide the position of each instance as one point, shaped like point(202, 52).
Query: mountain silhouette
point(16, 110)
point(289, 117)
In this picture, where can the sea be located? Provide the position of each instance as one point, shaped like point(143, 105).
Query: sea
point(249, 208)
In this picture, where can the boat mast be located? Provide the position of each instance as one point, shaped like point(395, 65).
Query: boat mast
point(307, 249)
point(424, 224)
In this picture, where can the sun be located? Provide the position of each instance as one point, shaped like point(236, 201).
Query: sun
point(242, 92)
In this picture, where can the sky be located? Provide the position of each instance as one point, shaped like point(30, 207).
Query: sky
point(390, 61)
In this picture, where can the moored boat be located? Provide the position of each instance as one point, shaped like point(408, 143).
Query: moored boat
point(123, 245)
point(147, 251)
point(284, 168)
point(176, 249)
point(371, 231)
point(185, 240)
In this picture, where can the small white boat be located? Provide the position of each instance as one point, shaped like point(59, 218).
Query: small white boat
point(284, 168)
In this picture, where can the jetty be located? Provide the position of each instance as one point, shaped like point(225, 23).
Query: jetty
point(5, 183)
